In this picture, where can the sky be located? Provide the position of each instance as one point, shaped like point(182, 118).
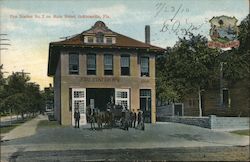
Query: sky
point(31, 25)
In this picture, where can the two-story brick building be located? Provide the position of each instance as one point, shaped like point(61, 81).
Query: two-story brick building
point(99, 66)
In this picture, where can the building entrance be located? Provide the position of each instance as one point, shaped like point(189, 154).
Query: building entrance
point(79, 102)
point(100, 97)
point(145, 104)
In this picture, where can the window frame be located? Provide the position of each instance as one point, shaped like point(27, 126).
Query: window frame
point(148, 68)
point(110, 39)
point(99, 36)
point(90, 71)
point(72, 71)
point(106, 71)
point(125, 72)
point(90, 37)
point(226, 101)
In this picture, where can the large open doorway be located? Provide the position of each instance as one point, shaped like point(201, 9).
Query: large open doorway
point(99, 97)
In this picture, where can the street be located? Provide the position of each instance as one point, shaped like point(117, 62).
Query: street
point(171, 154)
point(161, 141)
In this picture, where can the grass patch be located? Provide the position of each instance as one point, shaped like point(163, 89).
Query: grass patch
point(7, 129)
point(242, 132)
point(47, 123)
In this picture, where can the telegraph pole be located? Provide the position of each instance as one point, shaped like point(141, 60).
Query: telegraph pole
point(22, 72)
point(4, 43)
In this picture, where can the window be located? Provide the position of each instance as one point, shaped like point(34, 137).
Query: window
point(70, 99)
point(145, 66)
point(125, 63)
point(191, 102)
point(99, 37)
point(91, 64)
point(109, 40)
point(122, 97)
point(225, 98)
point(90, 40)
point(108, 64)
point(73, 63)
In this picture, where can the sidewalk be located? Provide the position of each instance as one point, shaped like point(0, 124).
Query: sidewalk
point(24, 130)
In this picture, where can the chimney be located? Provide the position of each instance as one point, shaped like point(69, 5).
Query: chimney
point(147, 34)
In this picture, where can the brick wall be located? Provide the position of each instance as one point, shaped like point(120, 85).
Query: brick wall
point(211, 122)
point(229, 123)
point(197, 121)
point(239, 101)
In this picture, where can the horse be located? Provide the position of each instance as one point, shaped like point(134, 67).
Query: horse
point(91, 117)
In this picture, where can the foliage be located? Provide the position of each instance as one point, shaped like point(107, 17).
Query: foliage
point(19, 96)
point(190, 65)
point(242, 132)
point(237, 60)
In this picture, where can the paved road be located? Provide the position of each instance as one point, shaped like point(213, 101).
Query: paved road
point(155, 136)
point(160, 154)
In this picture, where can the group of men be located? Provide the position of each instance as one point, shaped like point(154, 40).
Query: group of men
point(128, 119)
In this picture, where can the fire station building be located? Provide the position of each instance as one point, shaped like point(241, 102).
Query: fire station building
point(99, 66)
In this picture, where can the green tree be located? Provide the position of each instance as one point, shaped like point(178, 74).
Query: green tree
point(238, 59)
point(35, 98)
point(21, 96)
point(189, 67)
point(2, 91)
point(17, 103)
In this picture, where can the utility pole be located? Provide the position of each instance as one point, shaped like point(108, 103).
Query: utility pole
point(22, 72)
point(3, 43)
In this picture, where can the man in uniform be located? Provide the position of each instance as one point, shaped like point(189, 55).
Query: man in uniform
point(77, 118)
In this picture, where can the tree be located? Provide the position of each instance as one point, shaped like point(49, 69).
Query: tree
point(35, 98)
point(21, 96)
point(17, 83)
point(2, 92)
point(2, 80)
point(238, 59)
point(17, 103)
point(189, 67)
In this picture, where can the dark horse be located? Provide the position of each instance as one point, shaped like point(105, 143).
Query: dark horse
point(111, 117)
point(99, 117)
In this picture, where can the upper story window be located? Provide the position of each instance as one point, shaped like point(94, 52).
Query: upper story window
point(109, 40)
point(125, 65)
point(144, 66)
point(91, 64)
point(90, 39)
point(73, 63)
point(108, 64)
point(99, 37)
